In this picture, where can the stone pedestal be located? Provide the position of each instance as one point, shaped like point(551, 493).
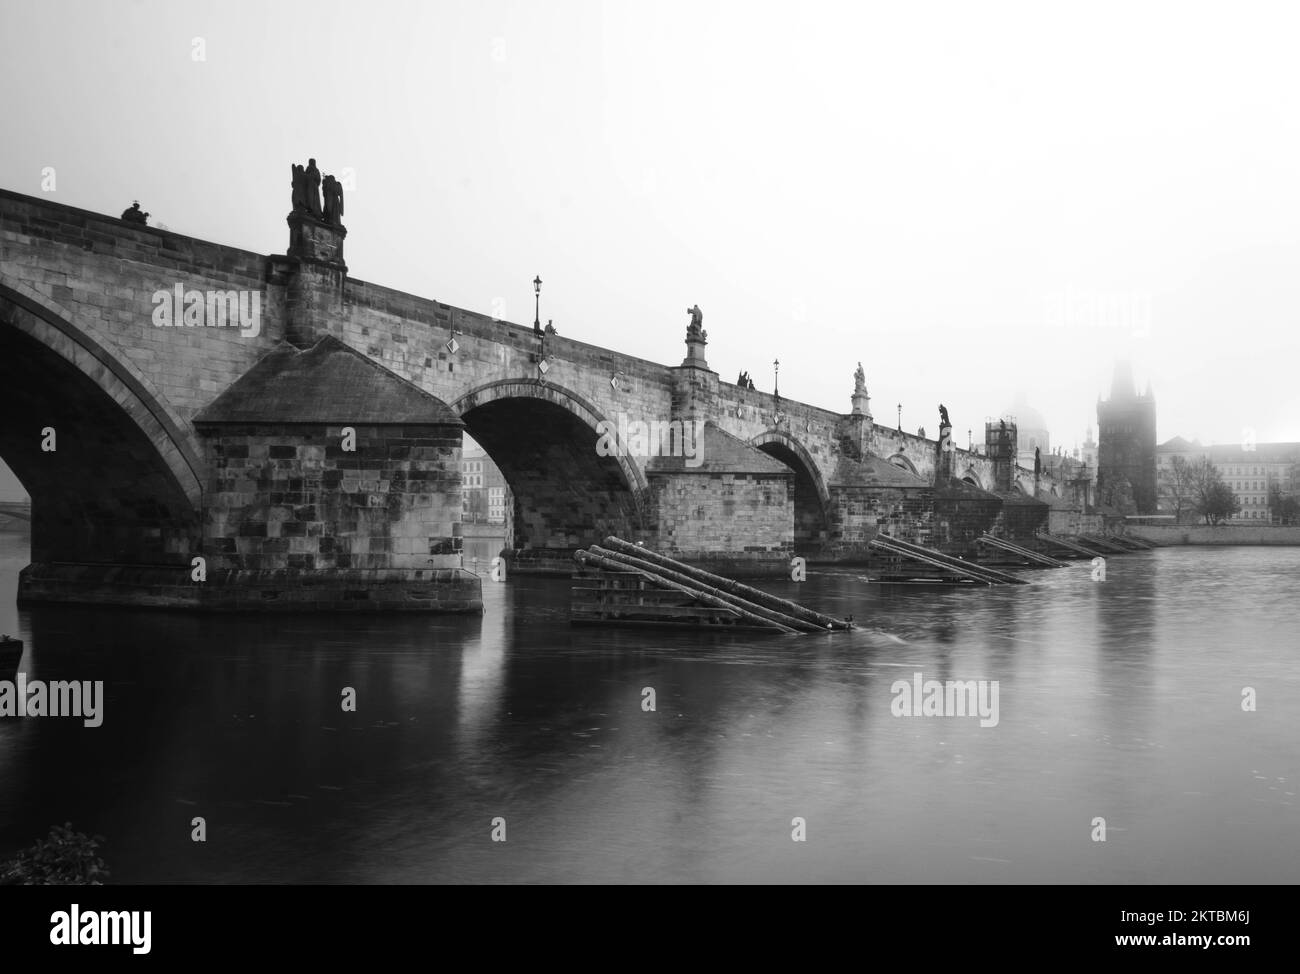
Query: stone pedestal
point(947, 450)
point(695, 393)
point(695, 352)
point(854, 435)
point(316, 241)
point(313, 275)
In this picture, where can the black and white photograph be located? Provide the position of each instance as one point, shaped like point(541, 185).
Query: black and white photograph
point(649, 443)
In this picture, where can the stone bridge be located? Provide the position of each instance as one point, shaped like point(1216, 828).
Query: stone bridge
point(152, 424)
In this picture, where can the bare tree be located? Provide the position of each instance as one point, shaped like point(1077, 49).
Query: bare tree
point(1178, 487)
point(1212, 499)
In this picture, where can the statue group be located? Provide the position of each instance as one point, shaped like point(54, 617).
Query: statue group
point(307, 186)
point(133, 214)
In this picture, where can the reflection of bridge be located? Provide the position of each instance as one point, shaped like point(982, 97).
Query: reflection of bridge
point(19, 510)
point(175, 435)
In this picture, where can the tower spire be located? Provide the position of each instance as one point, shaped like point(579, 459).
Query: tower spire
point(1121, 385)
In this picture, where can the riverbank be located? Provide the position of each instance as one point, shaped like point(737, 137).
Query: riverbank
point(1223, 534)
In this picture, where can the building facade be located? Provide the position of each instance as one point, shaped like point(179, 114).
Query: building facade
point(485, 495)
point(1251, 471)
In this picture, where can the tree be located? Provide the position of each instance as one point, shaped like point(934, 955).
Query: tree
point(1178, 487)
point(1284, 508)
point(1220, 503)
point(1204, 483)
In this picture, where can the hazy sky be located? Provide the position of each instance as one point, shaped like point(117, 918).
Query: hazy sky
point(972, 199)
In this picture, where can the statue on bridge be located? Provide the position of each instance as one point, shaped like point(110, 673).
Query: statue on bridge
point(299, 181)
point(133, 214)
point(306, 189)
point(859, 381)
point(695, 331)
point(943, 416)
point(333, 202)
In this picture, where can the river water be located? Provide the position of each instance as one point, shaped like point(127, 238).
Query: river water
point(1119, 700)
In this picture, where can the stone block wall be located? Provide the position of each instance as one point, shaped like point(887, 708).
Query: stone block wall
point(960, 517)
point(1022, 518)
point(859, 513)
point(293, 498)
point(1072, 520)
point(102, 273)
point(694, 516)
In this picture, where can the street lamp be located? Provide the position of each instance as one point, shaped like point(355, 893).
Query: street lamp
point(776, 377)
point(537, 305)
point(900, 417)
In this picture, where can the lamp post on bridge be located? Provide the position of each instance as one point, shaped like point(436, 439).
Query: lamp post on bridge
point(776, 378)
point(537, 305)
point(900, 417)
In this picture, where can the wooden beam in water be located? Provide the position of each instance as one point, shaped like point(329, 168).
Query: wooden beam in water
point(1104, 544)
point(708, 598)
point(757, 596)
point(1068, 545)
point(686, 581)
point(1035, 557)
point(981, 572)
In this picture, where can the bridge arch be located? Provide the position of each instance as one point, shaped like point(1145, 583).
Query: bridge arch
point(123, 484)
point(543, 437)
point(811, 496)
point(900, 460)
point(972, 477)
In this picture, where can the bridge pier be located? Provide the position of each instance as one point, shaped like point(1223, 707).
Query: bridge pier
point(327, 470)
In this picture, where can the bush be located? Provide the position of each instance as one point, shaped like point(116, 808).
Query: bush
point(65, 858)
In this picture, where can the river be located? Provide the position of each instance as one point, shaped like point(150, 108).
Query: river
point(1119, 700)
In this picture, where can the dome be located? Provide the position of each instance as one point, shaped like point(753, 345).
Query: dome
point(1031, 428)
point(1026, 416)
